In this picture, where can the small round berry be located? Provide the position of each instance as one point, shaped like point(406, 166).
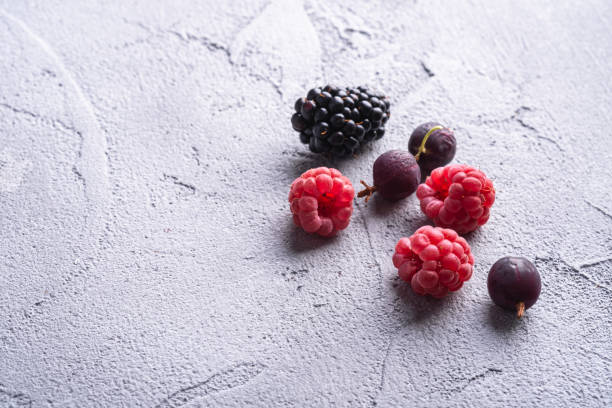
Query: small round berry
point(349, 102)
point(336, 139)
point(369, 136)
point(321, 130)
point(351, 143)
point(376, 114)
point(433, 145)
point(321, 115)
point(396, 176)
point(337, 121)
point(430, 267)
point(365, 108)
point(359, 132)
point(336, 105)
point(349, 127)
point(375, 102)
point(298, 105)
point(308, 109)
point(304, 138)
point(323, 99)
point(312, 94)
point(331, 89)
point(298, 122)
point(367, 124)
point(514, 284)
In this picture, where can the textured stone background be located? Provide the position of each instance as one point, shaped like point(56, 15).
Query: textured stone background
point(147, 253)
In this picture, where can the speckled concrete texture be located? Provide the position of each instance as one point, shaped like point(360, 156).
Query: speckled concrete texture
point(147, 252)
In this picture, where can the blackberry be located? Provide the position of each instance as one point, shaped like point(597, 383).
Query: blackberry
point(339, 121)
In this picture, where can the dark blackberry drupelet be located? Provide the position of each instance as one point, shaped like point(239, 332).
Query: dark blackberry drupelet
point(339, 121)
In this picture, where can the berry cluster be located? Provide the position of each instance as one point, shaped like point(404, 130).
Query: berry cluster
point(458, 197)
point(322, 201)
point(434, 261)
point(339, 121)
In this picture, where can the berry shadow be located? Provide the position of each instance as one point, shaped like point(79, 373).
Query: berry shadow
point(503, 321)
point(300, 241)
point(380, 207)
point(299, 161)
point(421, 307)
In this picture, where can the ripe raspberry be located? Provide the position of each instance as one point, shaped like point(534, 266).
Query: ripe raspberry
point(322, 201)
point(458, 197)
point(434, 261)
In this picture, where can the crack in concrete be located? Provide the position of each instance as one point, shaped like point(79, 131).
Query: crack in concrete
point(196, 154)
point(383, 370)
point(518, 118)
point(205, 41)
point(599, 209)
point(176, 181)
point(14, 399)
point(208, 43)
point(427, 70)
point(577, 269)
point(372, 251)
point(594, 262)
point(232, 377)
point(475, 378)
point(53, 122)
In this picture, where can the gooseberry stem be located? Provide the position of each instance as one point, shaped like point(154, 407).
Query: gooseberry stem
point(422, 146)
point(520, 309)
point(367, 192)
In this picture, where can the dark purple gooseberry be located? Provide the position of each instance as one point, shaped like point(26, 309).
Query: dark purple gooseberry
point(433, 146)
point(514, 284)
point(396, 176)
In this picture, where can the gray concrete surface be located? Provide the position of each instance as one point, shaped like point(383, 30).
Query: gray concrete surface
point(147, 252)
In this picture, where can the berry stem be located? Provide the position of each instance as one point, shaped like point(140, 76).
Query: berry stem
point(422, 146)
point(520, 309)
point(367, 192)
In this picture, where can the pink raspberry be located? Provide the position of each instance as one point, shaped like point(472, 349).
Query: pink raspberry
point(434, 261)
point(322, 201)
point(458, 197)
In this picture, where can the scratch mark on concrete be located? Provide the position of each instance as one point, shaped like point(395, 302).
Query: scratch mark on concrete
point(232, 377)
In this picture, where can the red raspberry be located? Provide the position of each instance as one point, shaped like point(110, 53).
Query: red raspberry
point(322, 201)
point(458, 197)
point(434, 261)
